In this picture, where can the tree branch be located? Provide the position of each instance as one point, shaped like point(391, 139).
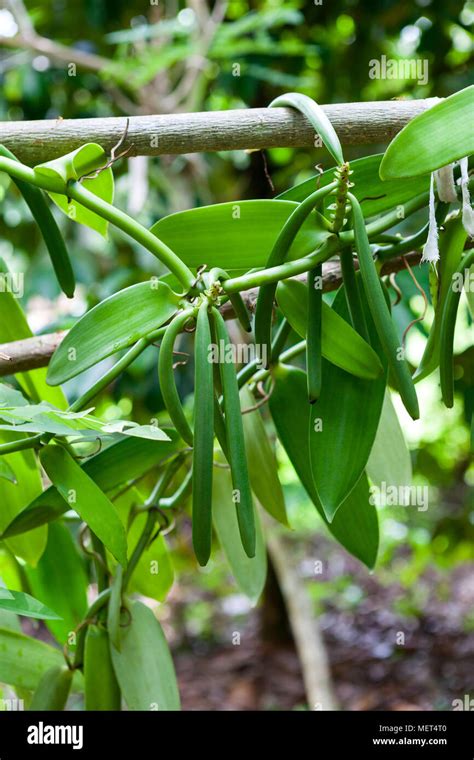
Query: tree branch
point(355, 123)
point(31, 353)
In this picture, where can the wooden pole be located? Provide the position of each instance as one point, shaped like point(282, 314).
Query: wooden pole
point(356, 124)
point(31, 353)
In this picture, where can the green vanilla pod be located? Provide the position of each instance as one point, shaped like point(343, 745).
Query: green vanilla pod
point(235, 441)
point(381, 315)
point(203, 450)
point(448, 323)
point(102, 691)
point(53, 689)
point(166, 375)
point(266, 295)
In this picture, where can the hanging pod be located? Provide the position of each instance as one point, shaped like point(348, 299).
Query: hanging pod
point(448, 323)
point(235, 441)
point(352, 292)
point(102, 691)
point(35, 200)
point(381, 315)
point(266, 295)
point(313, 334)
point(53, 689)
point(166, 375)
point(203, 438)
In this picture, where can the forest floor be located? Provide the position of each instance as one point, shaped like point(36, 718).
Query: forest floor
point(390, 647)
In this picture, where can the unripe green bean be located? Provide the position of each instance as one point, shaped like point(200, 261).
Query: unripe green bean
point(448, 323)
point(166, 375)
point(203, 438)
point(235, 442)
point(381, 315)
point(53, 689)
point(313, 335)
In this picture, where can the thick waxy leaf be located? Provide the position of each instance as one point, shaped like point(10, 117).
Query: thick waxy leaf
point(355, 524)
point(14, 497)
point(13, 326)
point(451, 246)
point(84, 160)
point(341, 344)
point(316, 117)
point(374, 195)
point(114, 324)
point(262, 463)
point(389, 461)
point(154, 574)
point(81, 494)
point(249, 573)
point(122, 462)
point(23, 604)
point(436, 137)
point(144, 667)
point(60, 581)
point(343, 426)
point(24, 660)
point(236, 235)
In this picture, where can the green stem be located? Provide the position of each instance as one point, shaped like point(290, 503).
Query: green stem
point(136, 231)
point(152, 517)
point(116, 370)
point(24, 173)
point(279, 340)
point(283, 271)
point(32, 442)
point(184, 489)
point(97, 605)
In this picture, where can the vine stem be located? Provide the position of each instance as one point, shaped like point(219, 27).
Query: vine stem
point(135, 230)
point(120, 219)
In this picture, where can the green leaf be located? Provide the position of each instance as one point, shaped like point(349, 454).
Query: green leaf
point(154, 574)
point(374, 195)
point(341, 344)
point(262, 464)
point(23, 604)
point(14, 326)
point(434, 138)
point(73, 166)
point(343, 427)
point(121, 462)
point(24, 660)
point(60, 581)
point(81, 494)
point(14, 497)
point(355, 525)
point(316, 117)
point(144, 667)
point(116, 323)
point(249, 573)
point(389, 461)
point(242, 233)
